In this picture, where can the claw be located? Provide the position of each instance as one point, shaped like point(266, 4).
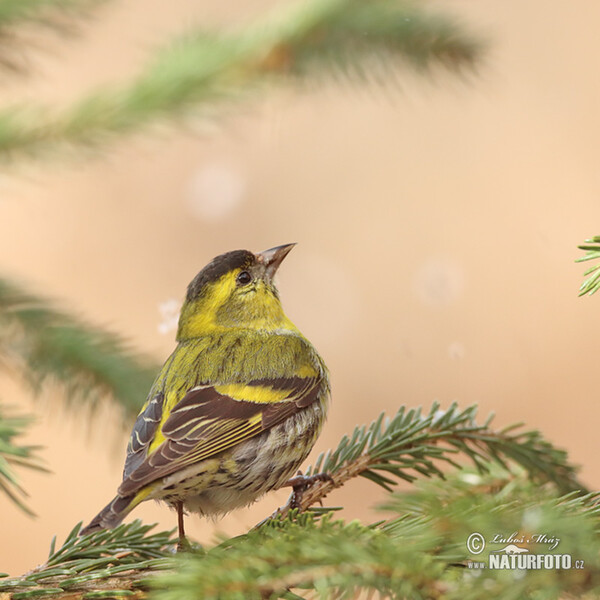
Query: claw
point(301, 483)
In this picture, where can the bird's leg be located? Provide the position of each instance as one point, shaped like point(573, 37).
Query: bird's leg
point(182, 545)
point(301, 483)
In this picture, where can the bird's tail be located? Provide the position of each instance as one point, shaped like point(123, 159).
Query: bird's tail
point(112, 514)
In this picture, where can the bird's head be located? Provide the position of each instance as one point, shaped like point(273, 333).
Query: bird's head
point(235, 289)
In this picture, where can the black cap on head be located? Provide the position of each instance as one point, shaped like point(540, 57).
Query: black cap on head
point(217, 267)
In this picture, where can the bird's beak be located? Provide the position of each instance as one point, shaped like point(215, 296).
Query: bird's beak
point(273, 257)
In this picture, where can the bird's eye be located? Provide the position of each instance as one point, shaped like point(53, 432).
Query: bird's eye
point(244, 278)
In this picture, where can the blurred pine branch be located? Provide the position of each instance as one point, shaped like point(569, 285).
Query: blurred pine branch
point(17, 17)
point(330, 558)
point(42, 12)
point(199, 74)
point(44, 345)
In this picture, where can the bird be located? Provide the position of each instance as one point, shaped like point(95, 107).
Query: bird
point(237, 406)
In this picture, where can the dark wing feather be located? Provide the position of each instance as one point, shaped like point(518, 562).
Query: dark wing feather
point(206, 422)
point(143, 433)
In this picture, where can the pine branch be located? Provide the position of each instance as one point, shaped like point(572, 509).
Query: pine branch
point(411, 444)
point(365, 41)
point(54, 15)
point(198, 74)
point(331, 557)
point(13, 455)
point(411, 555)
point(45, 344)
point(547, 524)
point(414, 555)
point(106, 564)
point(42, 12)
point(592, 284)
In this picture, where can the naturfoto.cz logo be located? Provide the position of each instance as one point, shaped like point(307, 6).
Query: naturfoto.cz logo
point(513, 554)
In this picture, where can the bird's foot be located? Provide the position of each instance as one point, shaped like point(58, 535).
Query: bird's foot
point(183, 545)
point(300, 483)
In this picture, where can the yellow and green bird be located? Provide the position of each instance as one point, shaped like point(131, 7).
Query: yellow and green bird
point(238, 405)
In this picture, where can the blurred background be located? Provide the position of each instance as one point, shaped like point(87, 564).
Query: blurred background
point(437, 223)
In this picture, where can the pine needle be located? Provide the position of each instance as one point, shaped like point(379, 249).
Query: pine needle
point(592, 284)
point(13, 455)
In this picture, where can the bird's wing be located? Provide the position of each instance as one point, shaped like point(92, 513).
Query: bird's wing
point(208, 420)
point(144, 430)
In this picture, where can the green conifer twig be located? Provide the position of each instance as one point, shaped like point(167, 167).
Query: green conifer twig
point(108, 561)
point(14, 455)
point(592, 284)
point(410, 444)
